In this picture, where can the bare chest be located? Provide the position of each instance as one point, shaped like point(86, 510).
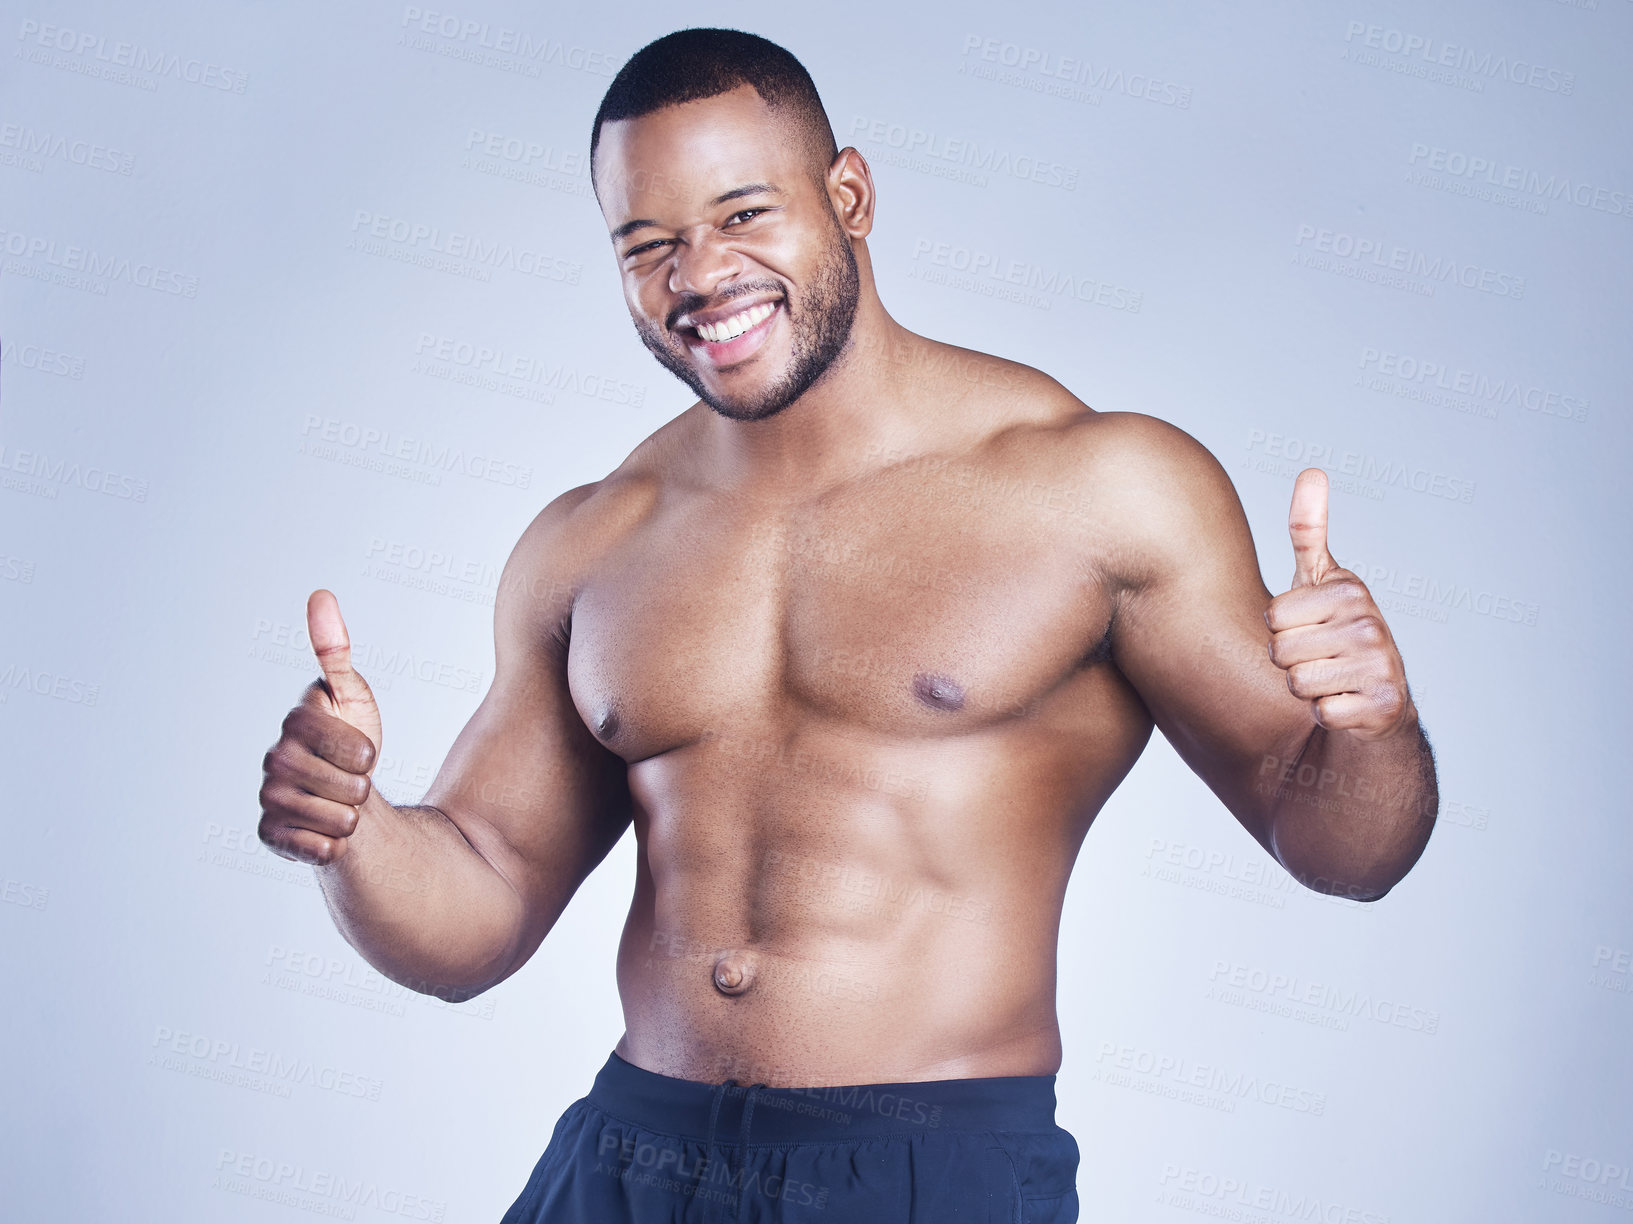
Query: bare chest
point(901, 616)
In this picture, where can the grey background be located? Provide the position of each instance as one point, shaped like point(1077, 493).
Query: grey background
point(190, 301)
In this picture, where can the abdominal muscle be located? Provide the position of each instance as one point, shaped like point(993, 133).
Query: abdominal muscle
point(822, 912)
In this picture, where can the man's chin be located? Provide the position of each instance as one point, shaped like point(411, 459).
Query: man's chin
point(733, 407)
point(766, 401)
point(741, 410)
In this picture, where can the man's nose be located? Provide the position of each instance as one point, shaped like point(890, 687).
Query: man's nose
point(702, 264)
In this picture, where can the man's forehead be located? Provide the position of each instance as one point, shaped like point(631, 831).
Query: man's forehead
point(689, 154)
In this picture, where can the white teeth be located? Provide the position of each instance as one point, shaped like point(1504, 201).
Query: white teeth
point(730, 329)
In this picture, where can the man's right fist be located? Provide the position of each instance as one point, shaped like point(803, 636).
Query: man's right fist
point(317, 774)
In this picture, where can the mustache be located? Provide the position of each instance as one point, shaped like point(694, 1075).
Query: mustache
point(694, 301)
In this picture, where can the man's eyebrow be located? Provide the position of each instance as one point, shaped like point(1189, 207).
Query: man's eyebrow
point(629, 227)
point(747, 189)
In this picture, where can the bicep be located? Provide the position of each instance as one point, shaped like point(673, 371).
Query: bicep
point(1190, 635)
point(526, 782)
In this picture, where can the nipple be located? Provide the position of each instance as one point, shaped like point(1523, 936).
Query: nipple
point(938, 692)
point(733, 973)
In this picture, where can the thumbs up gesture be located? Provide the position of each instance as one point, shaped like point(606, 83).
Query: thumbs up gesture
point(316, 777)
point(1327, 634)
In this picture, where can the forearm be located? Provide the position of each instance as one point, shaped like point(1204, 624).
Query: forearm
point(1348, 815)
point(420, 904)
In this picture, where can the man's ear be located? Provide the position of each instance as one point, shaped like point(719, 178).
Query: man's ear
point(850, 188)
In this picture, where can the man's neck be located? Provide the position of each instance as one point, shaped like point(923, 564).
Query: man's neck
point(866, 408)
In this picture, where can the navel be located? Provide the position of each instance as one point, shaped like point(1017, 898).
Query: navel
point(734, 973)
point(938, 692)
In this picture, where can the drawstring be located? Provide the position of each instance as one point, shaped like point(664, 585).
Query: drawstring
point(714, 1117)
point(743, 1134)
point(744, 1131)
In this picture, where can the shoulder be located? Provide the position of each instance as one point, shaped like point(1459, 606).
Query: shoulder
point(560, 548)
point(984, 381)
point(1127, 455)
point(1165, 497)
point(1140, 454)
point(1152, 498)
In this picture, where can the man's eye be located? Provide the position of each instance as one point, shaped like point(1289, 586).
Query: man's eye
point(747, 212)
point(645, 246)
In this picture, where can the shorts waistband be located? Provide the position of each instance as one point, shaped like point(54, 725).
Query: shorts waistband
point(666, 1105)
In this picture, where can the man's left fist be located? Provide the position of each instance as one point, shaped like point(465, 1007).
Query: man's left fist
point(1327, 634)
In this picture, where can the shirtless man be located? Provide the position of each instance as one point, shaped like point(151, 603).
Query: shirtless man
point(859, 643)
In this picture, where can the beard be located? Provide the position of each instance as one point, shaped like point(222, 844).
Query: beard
point(821, 325)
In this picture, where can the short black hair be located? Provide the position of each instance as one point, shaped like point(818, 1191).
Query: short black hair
point(701, 63)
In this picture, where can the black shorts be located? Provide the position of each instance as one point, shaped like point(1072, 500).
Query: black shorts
point(646, 1148)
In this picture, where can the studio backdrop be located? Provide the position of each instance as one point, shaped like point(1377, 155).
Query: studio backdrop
point(302, 294)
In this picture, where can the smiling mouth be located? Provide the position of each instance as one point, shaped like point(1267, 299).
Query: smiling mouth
point(742, 321)
point(734, 338)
